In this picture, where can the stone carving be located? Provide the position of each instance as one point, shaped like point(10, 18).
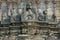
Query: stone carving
point(28, 16)
point(35, 12)
point(4, 9)
point(28, 13)
point(50, 10)
point(18, 16)
point(5, 17)
point(41, 11)
point(15, 14)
